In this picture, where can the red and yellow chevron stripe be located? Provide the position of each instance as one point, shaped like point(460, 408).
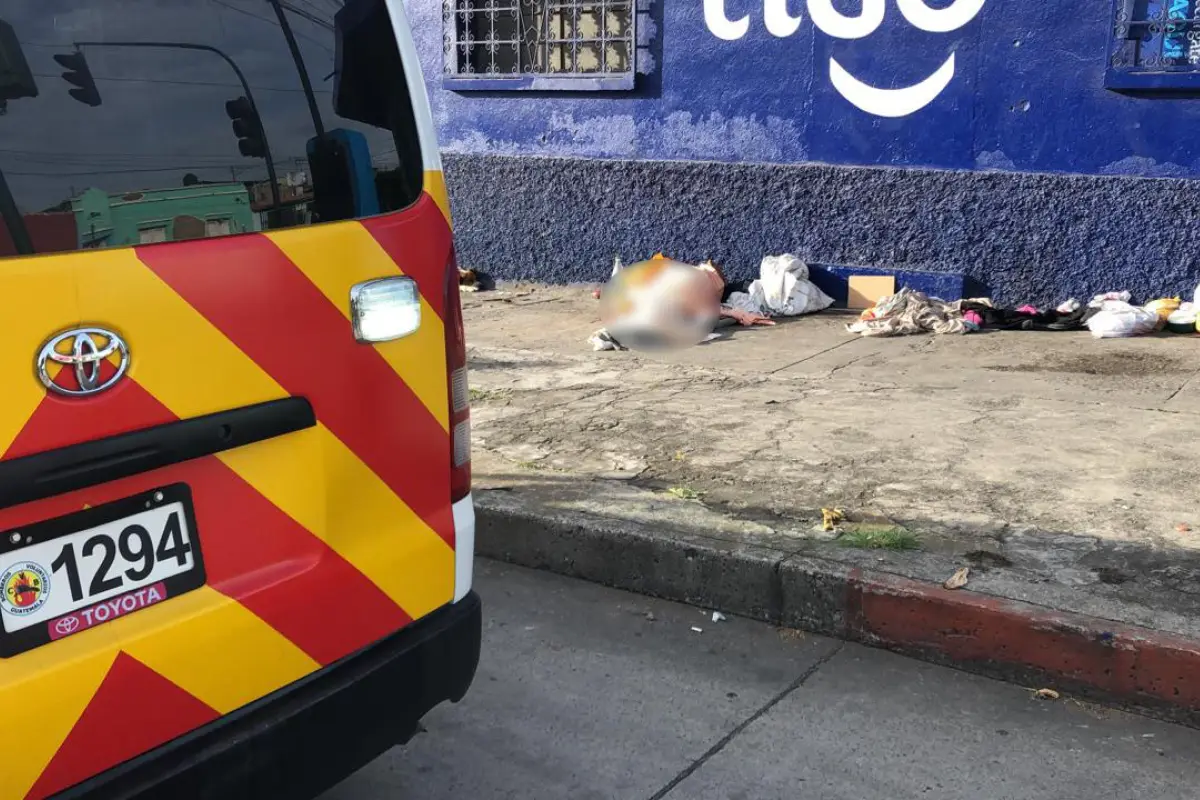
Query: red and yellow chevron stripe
point(315, 544)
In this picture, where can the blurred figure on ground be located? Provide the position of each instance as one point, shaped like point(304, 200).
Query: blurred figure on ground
point(662, 303)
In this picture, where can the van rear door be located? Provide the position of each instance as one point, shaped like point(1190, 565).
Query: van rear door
point(210, 485)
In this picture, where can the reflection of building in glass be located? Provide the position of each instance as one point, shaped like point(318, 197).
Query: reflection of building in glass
point(162, 215)
point(295, 194)
point(257, 129)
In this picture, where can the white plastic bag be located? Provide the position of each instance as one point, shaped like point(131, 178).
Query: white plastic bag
point(1117, 319)
point(784, 289)
point(744, 302)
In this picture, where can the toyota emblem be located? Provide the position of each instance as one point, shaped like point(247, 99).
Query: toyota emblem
point(67, 625)
point(92, 360)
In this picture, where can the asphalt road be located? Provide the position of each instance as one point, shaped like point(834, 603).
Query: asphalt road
point(586, 692)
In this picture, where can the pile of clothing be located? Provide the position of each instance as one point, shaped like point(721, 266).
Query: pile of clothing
point(981, 315)
point(1110, 315)
point(909, 312)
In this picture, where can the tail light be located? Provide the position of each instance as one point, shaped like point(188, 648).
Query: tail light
point(459, 392)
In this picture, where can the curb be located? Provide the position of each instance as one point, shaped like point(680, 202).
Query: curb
point(1034, 646)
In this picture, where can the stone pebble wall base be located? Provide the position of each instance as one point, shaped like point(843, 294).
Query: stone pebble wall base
point(1026, 237)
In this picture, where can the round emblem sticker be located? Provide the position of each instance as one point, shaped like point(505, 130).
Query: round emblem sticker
point(25, 587)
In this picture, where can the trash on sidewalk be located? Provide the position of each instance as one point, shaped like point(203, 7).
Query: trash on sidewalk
point(1183, 319)
point(982, 315)
point(717, 616)
point(1107, 316)
point(697, 630)
point(831, 517)
point(783, 289)
point(909, 312)
point(1117, 319)
point(1046, 694)
point(1163, 309)
point(959, 579)
point(618, 265)
point(603, 340)
point(1183, 527)
point(472, 280)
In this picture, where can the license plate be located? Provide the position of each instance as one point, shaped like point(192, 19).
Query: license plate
point(65, 575)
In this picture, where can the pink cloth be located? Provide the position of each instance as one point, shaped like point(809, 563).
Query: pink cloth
point(1028, 309)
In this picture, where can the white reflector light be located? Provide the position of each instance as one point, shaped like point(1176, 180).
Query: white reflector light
point(462, 443)
point(460, 391)
point(385, 309)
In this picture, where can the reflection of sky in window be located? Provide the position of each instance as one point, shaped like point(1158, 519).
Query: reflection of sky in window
point(163, 111)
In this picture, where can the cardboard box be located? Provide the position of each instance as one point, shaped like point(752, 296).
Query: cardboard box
point(865, 290)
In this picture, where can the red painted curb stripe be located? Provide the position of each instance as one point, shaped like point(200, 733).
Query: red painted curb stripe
point(1006, 639)
point(251, 291)
point(1131, 663)
point(253, 552)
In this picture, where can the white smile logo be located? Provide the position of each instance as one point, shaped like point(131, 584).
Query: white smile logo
point(881, 102)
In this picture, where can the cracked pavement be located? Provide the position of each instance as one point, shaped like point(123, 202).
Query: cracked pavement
point(961, 435)
point(1066, 459)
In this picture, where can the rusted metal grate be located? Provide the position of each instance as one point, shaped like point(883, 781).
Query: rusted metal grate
point(557, 38)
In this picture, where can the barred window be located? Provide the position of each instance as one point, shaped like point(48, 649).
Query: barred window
point(1155, 46)
point(539, 44)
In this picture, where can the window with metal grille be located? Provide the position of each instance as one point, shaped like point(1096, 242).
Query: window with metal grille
point(539, 44)
point(1155, 46)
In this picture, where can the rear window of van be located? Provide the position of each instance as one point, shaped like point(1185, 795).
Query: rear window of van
point(126, 122)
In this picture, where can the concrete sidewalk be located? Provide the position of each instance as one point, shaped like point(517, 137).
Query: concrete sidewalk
point(1060, 468)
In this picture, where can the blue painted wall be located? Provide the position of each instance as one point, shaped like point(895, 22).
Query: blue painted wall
point(1027, 95)
point(1023, 174)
